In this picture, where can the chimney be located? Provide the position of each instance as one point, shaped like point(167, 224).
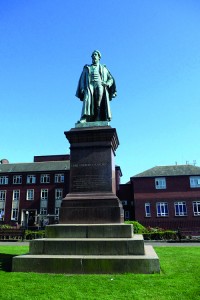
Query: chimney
point(4, 161)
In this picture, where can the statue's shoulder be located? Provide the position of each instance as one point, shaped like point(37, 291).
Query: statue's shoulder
point(104, 67)
point(86, 66)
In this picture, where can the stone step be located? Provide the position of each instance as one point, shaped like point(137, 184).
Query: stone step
point(87, 264)
point(89, 231)
point(88, 246)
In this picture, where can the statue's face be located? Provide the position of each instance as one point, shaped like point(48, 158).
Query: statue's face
point(95, 58)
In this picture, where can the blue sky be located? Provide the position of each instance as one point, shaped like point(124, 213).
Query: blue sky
point(151, 47)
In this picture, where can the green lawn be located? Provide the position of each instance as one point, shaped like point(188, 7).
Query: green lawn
point(179, 280)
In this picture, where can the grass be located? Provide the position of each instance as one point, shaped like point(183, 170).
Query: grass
point(179, 280)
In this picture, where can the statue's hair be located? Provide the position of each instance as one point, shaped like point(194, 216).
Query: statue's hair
point(97, 51)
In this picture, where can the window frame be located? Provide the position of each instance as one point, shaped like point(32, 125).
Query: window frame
point(3, 179)
point(160, 183)
point(148, 214)
point(194, 182)
point(31, 179)
point(16, 192)
point(17, 179)
point(197, 204)
point(162, 212)
point(44, 197)
point(3, 198)
point(59, 178)
point(45, 178)
point(126, 214)
point(28, 193)
point(58, 191)
point(15, 214)
point(181, 211)
point(43, 211)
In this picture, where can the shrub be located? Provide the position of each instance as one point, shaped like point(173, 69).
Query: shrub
point(153, 233)
point(31, 235)
point(160, 235)
point(5, 226)
point(137, 227)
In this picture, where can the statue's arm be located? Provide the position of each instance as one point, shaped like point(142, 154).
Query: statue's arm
point(108, 79)
point(82, 84)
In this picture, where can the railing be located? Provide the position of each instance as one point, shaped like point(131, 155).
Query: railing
point(12, 234)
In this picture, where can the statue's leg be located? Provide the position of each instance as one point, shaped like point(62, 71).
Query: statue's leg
point(98, 99)
point(86, 109)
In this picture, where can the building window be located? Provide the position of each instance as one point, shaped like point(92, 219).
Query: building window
point(195, 181)
point(44, 194)
point(1, 214)
point(16, 194)
point(196, 208)
point(147, 210)
point(14, 215)
point(126, 215)
point(162, 209)
point(58, 194)
point(57, 212)
point(45, 178)
point(30, 195)
point(180, 209)
point(124, 202)
point(59, 178)
point(43, 211)
point(31, 179)
point(3, 179)
point(17, 179)
point(160, 183)
point(2, 195)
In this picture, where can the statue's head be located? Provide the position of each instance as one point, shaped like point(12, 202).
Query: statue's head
point(96, 52)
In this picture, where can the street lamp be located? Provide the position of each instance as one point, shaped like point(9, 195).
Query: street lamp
point(27, 213)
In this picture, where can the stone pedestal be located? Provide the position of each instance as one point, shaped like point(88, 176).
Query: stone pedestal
point(92, 197)
point(89, 249)
point(90, 238)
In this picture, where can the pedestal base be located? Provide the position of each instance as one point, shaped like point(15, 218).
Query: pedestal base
point(114, 249)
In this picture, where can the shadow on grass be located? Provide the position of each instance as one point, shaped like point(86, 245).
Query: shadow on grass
point(6, 262)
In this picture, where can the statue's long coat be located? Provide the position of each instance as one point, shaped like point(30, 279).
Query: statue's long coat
point(87, 98)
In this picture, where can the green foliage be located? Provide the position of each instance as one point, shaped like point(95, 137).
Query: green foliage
point(153, 233)
point(31, 235)
point(137, 227)
point(179, 279)
point(160, 235)
point(5, 226)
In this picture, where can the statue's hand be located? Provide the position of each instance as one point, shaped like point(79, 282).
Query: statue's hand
point(104, 83)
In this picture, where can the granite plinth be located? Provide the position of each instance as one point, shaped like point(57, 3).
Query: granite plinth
point(92, 197)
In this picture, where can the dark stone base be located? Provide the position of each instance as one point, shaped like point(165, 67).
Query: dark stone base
point(92, 198)
point(91, 209)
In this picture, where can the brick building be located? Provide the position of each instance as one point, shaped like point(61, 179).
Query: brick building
point(31, 193)
point(165, 196)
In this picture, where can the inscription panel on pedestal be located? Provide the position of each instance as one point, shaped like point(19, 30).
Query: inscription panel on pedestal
point(91, 170)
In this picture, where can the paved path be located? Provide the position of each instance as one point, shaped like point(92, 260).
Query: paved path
point(170, 244)
point(153, 243)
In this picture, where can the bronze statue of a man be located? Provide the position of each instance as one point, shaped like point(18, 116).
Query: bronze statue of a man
point(96, 88)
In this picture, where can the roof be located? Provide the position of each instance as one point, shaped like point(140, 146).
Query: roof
point(176, 170)
point(35, 167)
